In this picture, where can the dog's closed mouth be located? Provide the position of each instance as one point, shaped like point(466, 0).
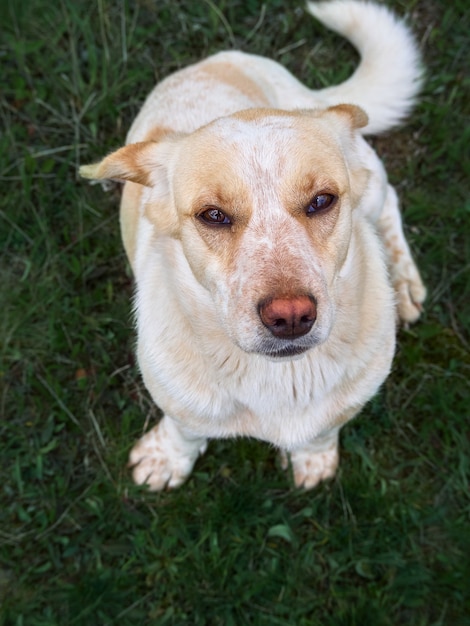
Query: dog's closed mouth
point(288, 351)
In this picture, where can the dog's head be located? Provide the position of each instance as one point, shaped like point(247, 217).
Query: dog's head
point(262, 203)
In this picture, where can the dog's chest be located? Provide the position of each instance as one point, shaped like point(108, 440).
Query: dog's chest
point(283, 403)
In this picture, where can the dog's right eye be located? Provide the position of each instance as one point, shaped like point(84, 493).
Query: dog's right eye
point(320, 203)
point(214, 217)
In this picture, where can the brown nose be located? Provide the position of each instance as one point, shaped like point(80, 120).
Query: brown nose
point(288, 318)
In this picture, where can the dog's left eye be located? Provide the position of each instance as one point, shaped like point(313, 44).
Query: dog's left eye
point(214, 216)
point(321, 202)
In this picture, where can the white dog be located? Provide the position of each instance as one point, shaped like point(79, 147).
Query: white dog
point(267, 248)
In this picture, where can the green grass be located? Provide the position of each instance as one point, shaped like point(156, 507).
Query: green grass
point(388, 541)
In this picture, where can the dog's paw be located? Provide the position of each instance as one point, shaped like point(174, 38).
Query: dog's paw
point(160, 459)
point(410, 295)
point(310, 467)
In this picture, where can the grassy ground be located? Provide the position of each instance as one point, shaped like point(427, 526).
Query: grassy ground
point(388, 541)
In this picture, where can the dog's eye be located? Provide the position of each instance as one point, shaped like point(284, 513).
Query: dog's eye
point(321, 202)
point(214, 216)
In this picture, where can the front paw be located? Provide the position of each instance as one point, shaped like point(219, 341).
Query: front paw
point(162, 459)
point(310, 467)
point(410, 295)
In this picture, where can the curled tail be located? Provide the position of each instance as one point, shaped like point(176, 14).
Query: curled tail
point(389, 75)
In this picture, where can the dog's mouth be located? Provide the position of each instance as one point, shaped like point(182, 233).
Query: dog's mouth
point(288, 352)
point(285, 350)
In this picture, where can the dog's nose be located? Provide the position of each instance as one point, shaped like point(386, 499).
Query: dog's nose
point(288, 318)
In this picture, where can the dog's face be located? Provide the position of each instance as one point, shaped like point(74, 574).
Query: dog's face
point(262, 203)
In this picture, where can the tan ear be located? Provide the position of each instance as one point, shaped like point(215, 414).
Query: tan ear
point(137, 162)
point(356, 116)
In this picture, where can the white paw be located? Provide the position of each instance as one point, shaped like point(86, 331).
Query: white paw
point(410, 294)
point(311, 467)
point(160, 459)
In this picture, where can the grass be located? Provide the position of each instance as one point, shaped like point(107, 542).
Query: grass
point(388, 541)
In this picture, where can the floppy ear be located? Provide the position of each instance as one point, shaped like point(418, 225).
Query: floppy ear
point(350, 113)
point(145, 163)
point(140, 163)
point(353, 117)
point(345, 116)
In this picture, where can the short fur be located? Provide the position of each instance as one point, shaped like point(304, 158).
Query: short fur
point(238, 138)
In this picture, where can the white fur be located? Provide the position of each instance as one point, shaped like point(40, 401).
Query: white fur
point(390, 74)
point(385, 84)
point(218, 134)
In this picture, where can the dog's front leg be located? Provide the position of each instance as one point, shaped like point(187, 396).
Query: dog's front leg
point(165, 456)
point(409, 288)
point(315, 461)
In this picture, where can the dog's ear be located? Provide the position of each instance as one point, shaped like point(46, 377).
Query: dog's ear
point(352, 118)
point(146, 163)
point(140, 163)
point(350, 113)
point(346, 116)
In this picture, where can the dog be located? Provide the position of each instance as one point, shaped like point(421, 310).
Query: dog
point(267, 248)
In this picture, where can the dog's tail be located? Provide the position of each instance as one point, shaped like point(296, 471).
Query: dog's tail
point(389, 75)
